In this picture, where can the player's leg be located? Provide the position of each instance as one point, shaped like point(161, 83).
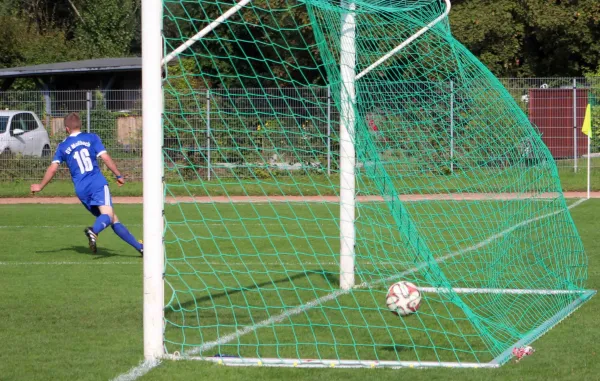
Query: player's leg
point(102, 201)
point(99, 203)
point(123, 233)
point(104, 219)
point(89, 232)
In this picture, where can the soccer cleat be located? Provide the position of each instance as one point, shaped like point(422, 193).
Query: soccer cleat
point(92, 238)
point(141, 251)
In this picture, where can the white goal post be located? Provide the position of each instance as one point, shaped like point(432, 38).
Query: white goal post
point(347, 125)
point(152, 109)
point(153, 60)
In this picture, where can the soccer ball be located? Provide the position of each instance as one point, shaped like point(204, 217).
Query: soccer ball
point(403, 298)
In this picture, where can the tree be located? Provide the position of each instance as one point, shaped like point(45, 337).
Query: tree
point(562, 37)
point(494, 31)
point(107, 28)
point(531, 37)
point(22, 45)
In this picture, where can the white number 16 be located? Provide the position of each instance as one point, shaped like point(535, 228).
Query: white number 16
point(83, 160)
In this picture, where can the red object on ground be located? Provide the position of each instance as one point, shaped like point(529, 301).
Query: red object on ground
point(519, 353)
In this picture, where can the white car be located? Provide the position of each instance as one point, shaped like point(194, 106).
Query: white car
point(22, 132)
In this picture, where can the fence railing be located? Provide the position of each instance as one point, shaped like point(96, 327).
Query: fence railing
point(556, 106)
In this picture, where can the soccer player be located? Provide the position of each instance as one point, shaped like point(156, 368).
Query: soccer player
point(80, 152)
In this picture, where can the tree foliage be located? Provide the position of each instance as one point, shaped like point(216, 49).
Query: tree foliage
point(531, 37)
point(44, 31)
point(106, 28)
point(512, 37)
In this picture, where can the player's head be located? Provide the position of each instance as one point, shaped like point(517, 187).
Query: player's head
point(72, 123)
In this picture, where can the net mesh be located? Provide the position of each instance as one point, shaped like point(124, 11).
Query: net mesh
point(455, 190)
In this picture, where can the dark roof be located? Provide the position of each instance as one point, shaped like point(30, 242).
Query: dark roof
point(86, 66)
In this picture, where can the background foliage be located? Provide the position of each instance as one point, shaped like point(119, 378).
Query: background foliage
point(512, 37)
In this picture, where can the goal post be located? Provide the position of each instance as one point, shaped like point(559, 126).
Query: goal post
point(297, 165)
point(347, 148)
point(152, 107)
point(347, 125)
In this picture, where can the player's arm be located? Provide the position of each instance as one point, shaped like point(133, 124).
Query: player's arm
point(113, 167)
point(50, 172)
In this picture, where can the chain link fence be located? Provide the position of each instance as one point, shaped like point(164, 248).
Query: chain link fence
point(556, 107)
point(114, 115)
point(296, 127)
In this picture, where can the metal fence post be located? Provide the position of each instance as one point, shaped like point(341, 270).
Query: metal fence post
point(208, 134)
point(328, 130)
point(574, 124)
point(88, 103)
point(452, 126)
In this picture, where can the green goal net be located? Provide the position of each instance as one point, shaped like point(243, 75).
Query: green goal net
point(317, 152)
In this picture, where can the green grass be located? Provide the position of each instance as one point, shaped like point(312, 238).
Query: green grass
point(297, 185)
point(67, 314)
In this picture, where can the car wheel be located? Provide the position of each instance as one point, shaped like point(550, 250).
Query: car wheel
point(46, 151)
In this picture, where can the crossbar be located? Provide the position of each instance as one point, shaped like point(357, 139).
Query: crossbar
point(209, 28)
point(406, 42)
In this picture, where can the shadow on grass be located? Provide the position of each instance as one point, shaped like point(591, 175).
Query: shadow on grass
point(397, 348)
point(102, 252)
point(331, 278)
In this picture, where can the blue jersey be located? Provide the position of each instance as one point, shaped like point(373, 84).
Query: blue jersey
point(80, 151)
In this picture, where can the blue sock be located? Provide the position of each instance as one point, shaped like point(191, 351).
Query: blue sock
point(126, 236)
point(102, 222)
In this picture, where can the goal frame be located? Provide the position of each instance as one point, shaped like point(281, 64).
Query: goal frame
point(153, 61)
point(152, 159)
point(496, 362)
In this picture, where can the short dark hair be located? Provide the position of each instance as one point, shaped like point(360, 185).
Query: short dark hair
point(73, 121)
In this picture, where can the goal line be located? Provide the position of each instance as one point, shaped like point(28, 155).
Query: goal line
point(498, 361)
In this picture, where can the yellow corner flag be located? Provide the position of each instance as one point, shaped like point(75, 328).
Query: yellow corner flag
point(587, 122)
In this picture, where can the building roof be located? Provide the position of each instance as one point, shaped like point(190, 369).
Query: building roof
point(74, 67)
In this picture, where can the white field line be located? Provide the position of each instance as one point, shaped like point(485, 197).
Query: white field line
point(68, 263)
point(224, 224)
point(334, 295)
point(512, 291)
point(209, 263)
point(138, 371)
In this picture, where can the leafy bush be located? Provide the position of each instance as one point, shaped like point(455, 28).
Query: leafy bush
point(103, 122)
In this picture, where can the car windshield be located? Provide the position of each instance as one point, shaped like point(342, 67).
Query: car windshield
point(3, 123)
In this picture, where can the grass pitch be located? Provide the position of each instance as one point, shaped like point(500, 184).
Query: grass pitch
point(316, 184)
point(66, 314)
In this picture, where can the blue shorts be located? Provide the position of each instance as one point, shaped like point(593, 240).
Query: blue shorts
point(100, 197)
